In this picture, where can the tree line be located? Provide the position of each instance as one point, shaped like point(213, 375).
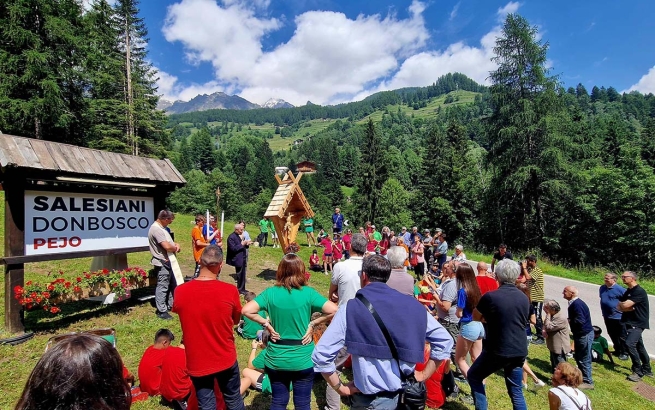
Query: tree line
point(79, 76)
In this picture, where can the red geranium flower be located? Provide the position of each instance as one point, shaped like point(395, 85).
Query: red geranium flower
point(55, 309)
point(33, 294)
point(67, 285)
point(46, 295)
point(78, 279)
point(29, 282)
point(77, 289)
point(105, 271)
point(51, 288)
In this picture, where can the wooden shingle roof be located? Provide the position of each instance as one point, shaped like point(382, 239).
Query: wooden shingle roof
point(43, 157)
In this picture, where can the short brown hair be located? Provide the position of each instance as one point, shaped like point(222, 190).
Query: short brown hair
point(212, 255)
point(291, 272)
point(200, 217)
point(571, 376)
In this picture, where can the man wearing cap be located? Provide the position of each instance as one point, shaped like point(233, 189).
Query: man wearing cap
point(441, 253)
point(407, 237)
point(427, 245)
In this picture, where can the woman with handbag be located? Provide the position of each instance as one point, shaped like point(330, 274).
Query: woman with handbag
point(417, 260)
point(290, 304)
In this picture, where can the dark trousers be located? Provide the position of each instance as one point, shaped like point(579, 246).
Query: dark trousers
point(229, 383)
point(419, 270)
point(303, 381)
point(555, 359)
point(346, 254)
point(539, 325)
point(441, 259)
point(634, 343)
point(264, 239)
point(616, 331)
point(241, 278)
point(197, 271)
point(487, 364)
point(453, 331)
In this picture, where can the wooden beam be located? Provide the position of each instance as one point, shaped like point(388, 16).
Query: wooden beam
point(13, 260)
point(298, 177)
point(277, 178)
point(14, 247)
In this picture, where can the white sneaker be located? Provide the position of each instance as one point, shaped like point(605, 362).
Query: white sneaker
point(538, 385)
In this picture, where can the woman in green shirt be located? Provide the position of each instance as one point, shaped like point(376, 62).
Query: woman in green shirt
point(289, 305)
point(308, 223)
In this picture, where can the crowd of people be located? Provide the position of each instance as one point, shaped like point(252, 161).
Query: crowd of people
point(397, 311)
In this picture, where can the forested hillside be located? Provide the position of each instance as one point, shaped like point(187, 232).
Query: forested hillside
point(525, 162)
point(569, 172)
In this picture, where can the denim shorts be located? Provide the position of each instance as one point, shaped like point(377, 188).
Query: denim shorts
point(472, 331)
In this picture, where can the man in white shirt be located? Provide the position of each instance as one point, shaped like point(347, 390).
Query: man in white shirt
point(346, 275)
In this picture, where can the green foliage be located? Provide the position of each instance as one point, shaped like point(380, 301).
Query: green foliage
point(393, 207)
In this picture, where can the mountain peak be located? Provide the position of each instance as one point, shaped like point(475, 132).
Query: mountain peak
point(276, 103)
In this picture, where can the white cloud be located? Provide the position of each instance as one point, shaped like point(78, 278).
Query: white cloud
point(509, 8)
point(170, 89)
point(453, 13)
point(646, 83)
point(329, 58)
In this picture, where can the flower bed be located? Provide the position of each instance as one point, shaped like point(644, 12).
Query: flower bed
point(47, 296)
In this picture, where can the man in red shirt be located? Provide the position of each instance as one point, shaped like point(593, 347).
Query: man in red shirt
point(150, 364)
point(209, 309)
point(485, 281)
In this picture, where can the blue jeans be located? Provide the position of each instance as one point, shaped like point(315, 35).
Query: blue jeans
point(229, 382)
point(281, 380)
point(582, 355)
point(487, 364)
point(387, 401)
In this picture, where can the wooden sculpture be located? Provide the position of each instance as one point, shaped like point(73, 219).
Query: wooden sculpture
point(288, 207)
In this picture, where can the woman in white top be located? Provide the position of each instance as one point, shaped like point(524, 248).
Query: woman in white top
point(565, 395)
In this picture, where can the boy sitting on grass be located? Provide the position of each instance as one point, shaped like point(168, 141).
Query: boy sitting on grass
point(600, 346)
point(247, 328)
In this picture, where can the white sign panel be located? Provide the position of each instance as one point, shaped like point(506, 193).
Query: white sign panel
point(57, 222)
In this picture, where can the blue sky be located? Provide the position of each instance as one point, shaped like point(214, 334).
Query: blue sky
point(331, 51)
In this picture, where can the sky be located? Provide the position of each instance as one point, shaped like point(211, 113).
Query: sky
point(334, 51)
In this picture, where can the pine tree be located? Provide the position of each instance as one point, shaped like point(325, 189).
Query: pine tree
point(41, 85)
point(527, 153)
point(144, 123)
point(104, 69)
point(372, 174)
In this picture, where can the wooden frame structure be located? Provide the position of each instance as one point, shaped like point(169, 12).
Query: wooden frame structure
point(37, 165)
point(288, 207)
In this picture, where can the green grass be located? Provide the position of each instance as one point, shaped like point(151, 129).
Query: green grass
point(136, 324)
point(347, 191)
point(589, 275)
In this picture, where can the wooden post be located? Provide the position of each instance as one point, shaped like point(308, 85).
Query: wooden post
point(14, 246)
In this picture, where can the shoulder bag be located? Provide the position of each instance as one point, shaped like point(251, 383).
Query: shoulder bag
point(575, 401)
point(413, 393)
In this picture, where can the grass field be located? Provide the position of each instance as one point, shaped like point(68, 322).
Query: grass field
point(136, 324)
point(427, 112)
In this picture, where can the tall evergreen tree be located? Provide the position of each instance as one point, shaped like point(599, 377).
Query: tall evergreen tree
point(144, 124)
point(41, 85)
point(104, 70)
point(372, 174)
point(527, 153)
